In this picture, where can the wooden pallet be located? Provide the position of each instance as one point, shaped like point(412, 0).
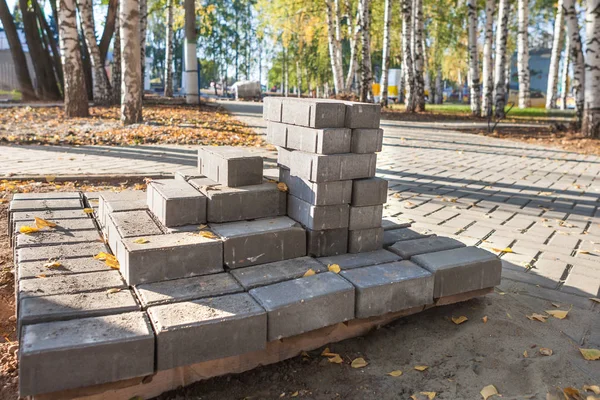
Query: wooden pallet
point(275, 351)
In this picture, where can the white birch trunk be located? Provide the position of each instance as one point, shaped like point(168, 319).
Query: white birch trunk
point(523, 54)
point(338, 45)
point(385, 56)
point(564, 75)
point(131, 90)
point(418, 56)
point(191, 63)
point(474, 83)
point(439, 90)
point(500, 57)
point(336, 69)
point(101, 87)
point(591, 112)
point(557, 45)
point(143, 27)
point(366, 78)
point(75, 93)
point(407, 62)
point(488, 76)
point(353, 32)
point(116, 68)
point(576, 50)
point(169, 51)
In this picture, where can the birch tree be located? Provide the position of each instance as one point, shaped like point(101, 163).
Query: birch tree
point(191, 63)
point(407, 62)
point(523, 53)
point(576, 50)
point(366, 78)
point(100, 86)
point(334, 45)
point(557, 45)
point(143, 28)
point(500, 57)
point(131, 90)
point(353, 31)
point(473, 58)
point(169, 51)
point(76, 101)
point(488, 76)
point(385, 56)
point(418, 56)
point(591, 112)
point(116, 69)
point(564, 74)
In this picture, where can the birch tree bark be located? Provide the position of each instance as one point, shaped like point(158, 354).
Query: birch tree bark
point(523, 54)
point(101, 87)
point(418, 56)
point(488, 76)
point(407, 62)
point(191, 63)
point(334, 45)
point(473, 58)
point(576, 50)
point(500, 57)
point(169, 51)
point(116, 67)
point(385, 56)
point(591, 112)
point(557, 46)
point(366, 78)
point(353, 31)
point(564, 75)
point(131, 91)
point(76, 102)
point(143, 27)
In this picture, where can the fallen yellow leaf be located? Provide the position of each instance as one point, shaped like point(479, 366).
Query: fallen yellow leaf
point(327, 353)
point(560, 314)
point(545, 351)
point(334, 268)
point(101, 256)
point(88, 210)
point(282, 187)
point(53, 264)
point(395, 373)
point(571, 393)
point(489, 391)
point(430, 395)
point(423, 396)
point(459, 320)
point(310, 272)
point(50, 178)
point(295, 394)
point(525, 354)
point(592, 388)
point(590, 354)
point(421, 367)
point(504, 250)
point(27, 230)
point(113, 290)
point(42, 223)
point(112, 263)
point(537, 317)
point(359, 363)
point(141, 241)
point(207, 234)
point(41, 276)
point(336, 359)
point(485, 319)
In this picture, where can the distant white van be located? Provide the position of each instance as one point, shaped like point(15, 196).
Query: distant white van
point(394, 76)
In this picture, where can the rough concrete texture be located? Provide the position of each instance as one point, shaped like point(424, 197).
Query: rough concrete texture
point(226, 204)
point(305, 304)
point(186, 289)
point(408, 248)
point(366, 217)
point(327, 242)
point(74, 283)
point(62, 307)
point(321, 141)
point(350, 261)
point(271, 174)
point(396, 235)
point(48, 214)
point(272, 108)
point(120, 225)
point(50, 237)
point(318, 194)
point(31, 269)
point(284, 157)
point(461, 270)
point(362, 115)
point(390, 223)
point(335, 167)
point(275, 272)
point(392, 287)
point(188, 173)
point(172, 256)
point(45, 253)
point(126, 200)
point(318, 217)
point(72, 354)
point(362, 240)
point(231, 166)
point(176, 203)
point(207, 329)
point(369, 192)
point(76, 224)
point(260, 241)
point(46, 196)
point(366, 140)
point(45, 204)
point(313, 113)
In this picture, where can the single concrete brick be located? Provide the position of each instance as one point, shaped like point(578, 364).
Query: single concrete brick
point(271, 174)
point(173, 256)
point(31, 269)
point(231, 166)
point(127, 200)
point(62, 355)
point(408, 248)
point(275, 272)
point(366, 140)
point(63, 225)
point(318, 217)
point(120, 225)
point(277, 134)
point(62, 307)
point(186, 289)
point(362, 115)
point(305, 304)
point(461, 270)
point(47, 196)
point(52, 237)
point(391, 223)
point(369, 192)
point(321, 141)
point(176, 203)
point(318, 194)
point(45, 253)
point(74, 283)
point(313, 113)
point(396, 235)
point(208, 329)
point(284, 157)
point(226, 204)
point(386, 288)
point(335, 167)
point(48, 215)
point(260, 241)
point(272, 107)
point(44, 204)
point(366, 217)
point(350, 261)
point(362, 240)
point(327, 242)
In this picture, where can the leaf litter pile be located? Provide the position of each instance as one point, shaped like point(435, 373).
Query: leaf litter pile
point(163, 124)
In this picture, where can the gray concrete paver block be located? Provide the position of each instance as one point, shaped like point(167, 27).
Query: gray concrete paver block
point(334, 167)
point(318, 217)
point(390, 223)
point(126, 224)
point(328, 242)
point(31, 269)
point(275, 272)
point(363, 240)
point(60, 252)
point(47, 196)
point(369, 192)
point(45, 204)
point(321, 141)
point(176, 203)
point(366, 217)
point(74, 283)
point(272, 107)
point(313, 113)
point(284, 157)
point(231, 166)
point(395, 235)
point(357, 260)
point(366, 140)
point(50, 237)
point(408, 248)
point(126, 200)
point(362, 115)
point(318, 194)
point(48, 215)
point(76, 224)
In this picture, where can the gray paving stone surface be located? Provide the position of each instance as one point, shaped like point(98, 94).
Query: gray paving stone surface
point(31, 269)
point(369, 192)
point(126, 224)
point(50, 237)
point(363, 240)
point(328, 242)
point(350, 261)
point(126, 200)
point(48, 215)
point(318, 217)
point(275, 272)
point(392, 236)
point(231, 166)
point(61, 252)
point(175, 202)
point(408, 248)
point(43, 205)
point(318, 194)
point(47, 196)
point(74, 283)
point(76, 224)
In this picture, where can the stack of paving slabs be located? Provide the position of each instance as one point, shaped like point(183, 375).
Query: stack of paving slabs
point(327, 158)
point(221, 269)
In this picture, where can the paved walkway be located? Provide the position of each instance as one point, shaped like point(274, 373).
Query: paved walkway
point(537, 207)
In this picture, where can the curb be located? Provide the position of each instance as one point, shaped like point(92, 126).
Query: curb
point(96, 178)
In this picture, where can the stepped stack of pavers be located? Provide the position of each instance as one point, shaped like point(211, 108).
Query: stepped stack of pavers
point(221, 262)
